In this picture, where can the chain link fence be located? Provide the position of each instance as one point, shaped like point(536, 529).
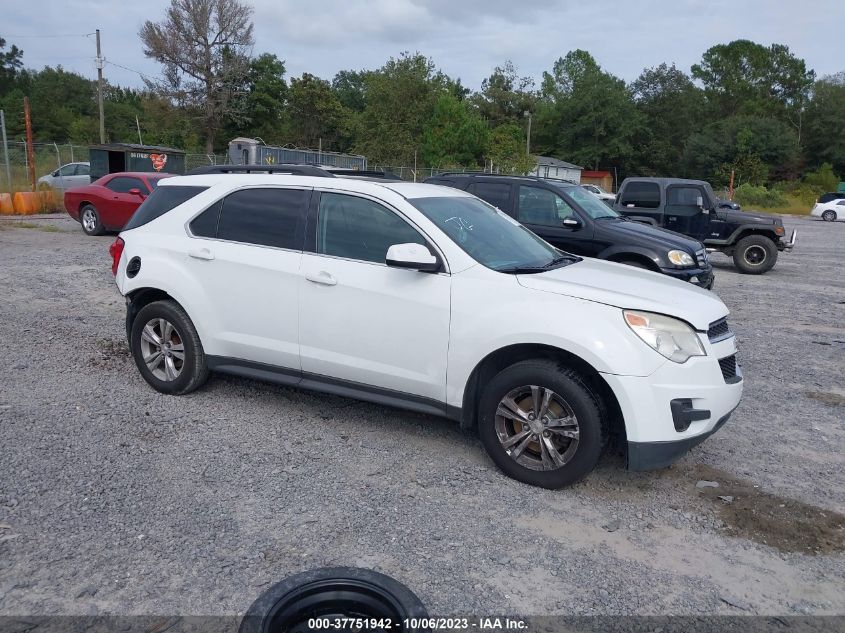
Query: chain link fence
point(48, 157)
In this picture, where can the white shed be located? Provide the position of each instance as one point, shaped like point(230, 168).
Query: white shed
point(548, 167)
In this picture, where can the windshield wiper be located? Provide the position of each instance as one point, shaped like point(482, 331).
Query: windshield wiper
point(522, 270)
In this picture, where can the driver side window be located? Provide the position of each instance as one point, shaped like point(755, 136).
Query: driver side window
point(542, 207)
point(683, 200)
point(358, 228)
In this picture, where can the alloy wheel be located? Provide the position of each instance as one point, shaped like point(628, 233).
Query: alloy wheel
point(537, 428)
point(162, 349)
point(755, 255)
point(89, 219)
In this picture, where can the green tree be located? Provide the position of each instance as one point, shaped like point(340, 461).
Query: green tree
point(400, 102)
point(825, 123)
point(261, 112)
point(350, 86)
point(315, 114)
point(507, 150)
point(454, 136)
point(752, 144)
point(586, 115)
point(505, 96)
point(671, 106)
point(743, 77)
point(11, 62)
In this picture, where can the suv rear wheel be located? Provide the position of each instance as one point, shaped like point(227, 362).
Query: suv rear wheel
point(167, 348)
point(540, 424)
point(755, 254)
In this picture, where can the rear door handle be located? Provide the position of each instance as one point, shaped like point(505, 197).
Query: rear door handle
point(322, 277)
point(201, 253)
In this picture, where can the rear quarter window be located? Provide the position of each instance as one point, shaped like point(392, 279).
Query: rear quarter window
point(645, 195)
point(159, 202)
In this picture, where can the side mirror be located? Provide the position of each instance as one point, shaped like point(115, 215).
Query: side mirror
point(55, 174)
point(135, 192)
point(412, 256)
point(571, 223)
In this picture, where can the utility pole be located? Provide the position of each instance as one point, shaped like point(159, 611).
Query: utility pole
point(100, 90)
point(30, 154)
point(5, 149)
point(528, 136)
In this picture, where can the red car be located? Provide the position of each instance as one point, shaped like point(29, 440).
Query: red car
point(108, 203)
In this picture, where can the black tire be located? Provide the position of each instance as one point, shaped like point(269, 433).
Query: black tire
point(193, 371)
point(94, 226)
point(829, 216)
point(333, 593)
point(755, 254)
point(582, 403)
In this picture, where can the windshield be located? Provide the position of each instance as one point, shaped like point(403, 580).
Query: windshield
point(489, 236)
point(591, 205)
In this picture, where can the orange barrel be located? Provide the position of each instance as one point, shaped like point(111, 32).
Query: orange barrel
point(6, 206)
point(26, 203)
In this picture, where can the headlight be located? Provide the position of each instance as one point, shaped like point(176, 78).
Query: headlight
point(681, 258)
point(669, 337)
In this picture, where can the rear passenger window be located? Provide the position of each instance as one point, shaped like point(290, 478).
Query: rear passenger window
point(160, 201)
point(641, 194)
point(266, 217)
point(496, 193)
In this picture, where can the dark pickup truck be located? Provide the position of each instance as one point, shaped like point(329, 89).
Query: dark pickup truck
point(577, 221)
point(690, 207)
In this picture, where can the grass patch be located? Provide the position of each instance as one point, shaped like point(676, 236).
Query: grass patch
point(46, 228)
point(794, 206)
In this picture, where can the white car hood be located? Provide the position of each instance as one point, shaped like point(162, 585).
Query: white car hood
point(624, 286)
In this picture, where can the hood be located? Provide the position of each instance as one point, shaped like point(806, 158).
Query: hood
point(655, 237)
point(628, 287)
point(749, 217)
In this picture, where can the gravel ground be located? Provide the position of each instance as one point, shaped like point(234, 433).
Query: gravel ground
point(116, 499)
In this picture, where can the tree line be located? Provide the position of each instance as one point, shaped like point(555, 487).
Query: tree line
point(745, 108)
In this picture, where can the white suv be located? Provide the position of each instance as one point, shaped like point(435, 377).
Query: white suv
point(423, 297)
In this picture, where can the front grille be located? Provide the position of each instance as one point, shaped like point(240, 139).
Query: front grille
point(701, 258)
point(719, 331)
point(728, 366)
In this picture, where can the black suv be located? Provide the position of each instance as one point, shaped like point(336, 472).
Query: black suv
point(690, 207)
point(577, 221)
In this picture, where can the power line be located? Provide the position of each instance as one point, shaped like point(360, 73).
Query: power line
point(131, 70)
point(58, 35)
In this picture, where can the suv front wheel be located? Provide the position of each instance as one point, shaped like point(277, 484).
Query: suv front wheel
point(540, 424)
point(167, 348)
point(755, 254)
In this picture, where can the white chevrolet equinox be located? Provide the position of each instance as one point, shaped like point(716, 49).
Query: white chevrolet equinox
point(426, 298)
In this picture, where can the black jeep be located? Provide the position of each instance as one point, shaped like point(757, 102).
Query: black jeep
point(690, 207)
point(577, 221)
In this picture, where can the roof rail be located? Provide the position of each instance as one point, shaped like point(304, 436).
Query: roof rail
point(487, 173)
point(369, 174)
point(293, 169)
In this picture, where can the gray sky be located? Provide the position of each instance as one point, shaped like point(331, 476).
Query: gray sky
point(466, 38)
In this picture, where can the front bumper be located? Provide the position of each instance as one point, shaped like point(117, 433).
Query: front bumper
point(702, 277)
point(788, 246)
point(655, 437)
point(654, 455)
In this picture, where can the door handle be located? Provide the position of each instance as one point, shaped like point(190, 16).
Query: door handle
point(201, 253)
point(322, 277)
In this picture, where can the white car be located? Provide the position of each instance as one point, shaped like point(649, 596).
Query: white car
point(67, 176)
point(423, 297)
point(829, 211)
point(601, 193)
